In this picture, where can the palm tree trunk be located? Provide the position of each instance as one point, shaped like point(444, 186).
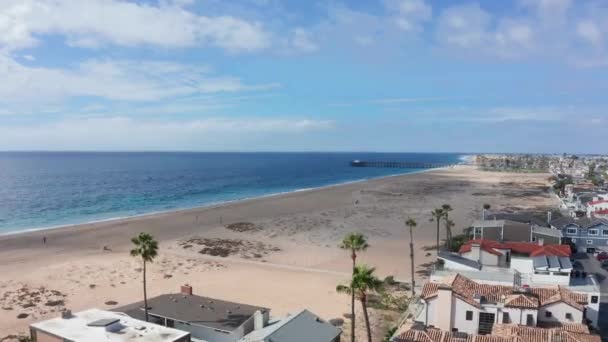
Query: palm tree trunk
point(352, 301)
point(438, 223)
point(145, 294)
point(366, 316)
point(412, 260)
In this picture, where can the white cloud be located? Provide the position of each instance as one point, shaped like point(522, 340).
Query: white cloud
point(302, 41)
point(114, 80)
point(590, 32)
point(464, 26)
point(93, 23)
point(127, 133)
point(410, 14)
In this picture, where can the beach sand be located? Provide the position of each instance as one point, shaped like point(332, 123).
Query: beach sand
point(283, 255)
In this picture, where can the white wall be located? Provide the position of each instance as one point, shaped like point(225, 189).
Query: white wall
point(459, 310)
point(593, 310)
point(558, 313)
point(518, 316)
point(522, 265)
point(489, 259)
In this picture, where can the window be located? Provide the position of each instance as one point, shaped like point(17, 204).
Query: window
point(593, 232)
point(477, 231)
point(534, 239)
point(590, 242)
point(568, 316)
point(454, 329)
point(505, 318)
point(571, 231)
point(469, 315)
point(594, 299)
point(530, 320)
point(548, 314)
point(604, 231)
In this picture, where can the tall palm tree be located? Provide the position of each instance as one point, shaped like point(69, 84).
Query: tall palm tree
point(437, 216)
point(411, 223)
point(448, 224)
point(146, 248)
point(354, 242)
point(364, 282)
point(486, 207)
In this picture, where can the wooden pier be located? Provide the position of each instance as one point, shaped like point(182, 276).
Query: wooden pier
point(397, 165)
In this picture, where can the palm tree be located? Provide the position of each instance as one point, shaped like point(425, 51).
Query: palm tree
point(354, 242)
point(437, 216)
point(147, 249)
point(411, 223)
point(448, 224)
point(486, 207)
point(364, 282)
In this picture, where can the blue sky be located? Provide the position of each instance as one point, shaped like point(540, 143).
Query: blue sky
point(279, 75)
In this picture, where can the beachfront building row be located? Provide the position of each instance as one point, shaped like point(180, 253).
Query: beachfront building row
point(587, 234)
point(521, 265)
point(459, 304)
point(184, 317)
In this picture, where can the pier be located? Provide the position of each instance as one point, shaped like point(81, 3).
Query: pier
point(397, 165)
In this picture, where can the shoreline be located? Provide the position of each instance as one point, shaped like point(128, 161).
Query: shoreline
point(290, 239)
point(212, 205)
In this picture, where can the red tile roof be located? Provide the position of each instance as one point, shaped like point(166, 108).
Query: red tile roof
point(467, 289)
point(597, 202)
point(534, 334)
point(529, 248)
point(601, 212)
point(504, 333)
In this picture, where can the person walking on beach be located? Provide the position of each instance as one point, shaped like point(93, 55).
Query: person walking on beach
point(44, 240)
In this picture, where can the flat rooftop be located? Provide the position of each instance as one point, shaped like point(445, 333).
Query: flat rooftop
point(100, 325)
point(196, 310)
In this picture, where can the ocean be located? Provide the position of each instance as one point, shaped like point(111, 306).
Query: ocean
point(49, 189)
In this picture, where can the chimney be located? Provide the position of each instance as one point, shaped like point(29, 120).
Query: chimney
point(258, 320)
point(475, 252)
point(443, 318)
point(186, 290)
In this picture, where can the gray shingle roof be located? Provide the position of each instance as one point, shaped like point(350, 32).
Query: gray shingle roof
point(583, 222)
point(301, 327)
point(458, 259)
point(196, 310)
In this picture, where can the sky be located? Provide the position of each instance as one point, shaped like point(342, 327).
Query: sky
point(288, 75)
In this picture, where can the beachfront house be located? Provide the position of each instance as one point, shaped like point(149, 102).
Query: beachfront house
point(501, 230)
point(524, 265)
point(458, 304)
point(99, 325)
point(206, 319)
point(587, 234)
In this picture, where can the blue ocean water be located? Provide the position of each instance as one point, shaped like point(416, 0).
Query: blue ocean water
point(46, 189)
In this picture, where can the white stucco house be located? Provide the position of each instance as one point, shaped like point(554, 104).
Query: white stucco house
point(459, 304)
point(523, 265)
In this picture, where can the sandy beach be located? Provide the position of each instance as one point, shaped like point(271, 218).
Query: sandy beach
point(279, 252)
